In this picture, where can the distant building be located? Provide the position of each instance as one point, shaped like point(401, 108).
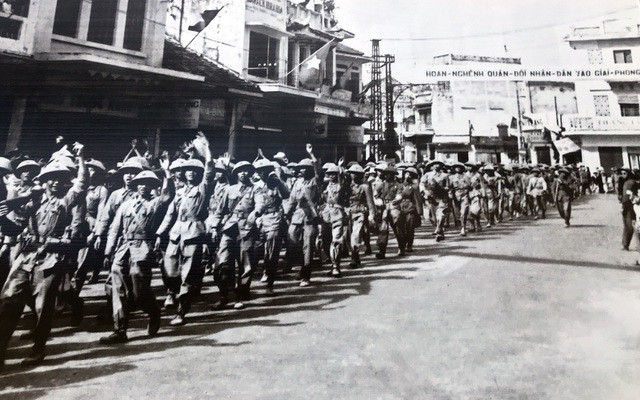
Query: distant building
point(265, 42)
point(607, 124)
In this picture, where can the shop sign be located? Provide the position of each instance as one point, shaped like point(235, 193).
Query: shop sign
point(316, 126)
point(212, 112)
point(187, 113)
point(268, 12)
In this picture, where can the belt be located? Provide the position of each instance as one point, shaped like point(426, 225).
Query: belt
point(136, 237)
point(272, 210)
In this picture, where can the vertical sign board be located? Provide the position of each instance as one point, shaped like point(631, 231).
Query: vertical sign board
point(187, 113)
point(213, 112)
point(272, 13)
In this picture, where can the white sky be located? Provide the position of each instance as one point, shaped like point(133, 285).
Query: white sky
point(385, 19)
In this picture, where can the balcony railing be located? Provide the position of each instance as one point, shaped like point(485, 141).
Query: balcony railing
point(614, 28)
point(580, 123)
point(303, 16)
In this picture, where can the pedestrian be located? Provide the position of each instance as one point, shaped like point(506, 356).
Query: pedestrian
point(629, 187)
point(132, 243)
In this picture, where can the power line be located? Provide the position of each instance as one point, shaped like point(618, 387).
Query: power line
point(507, 32)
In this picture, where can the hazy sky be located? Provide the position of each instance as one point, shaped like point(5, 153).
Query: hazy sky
point(534, 28)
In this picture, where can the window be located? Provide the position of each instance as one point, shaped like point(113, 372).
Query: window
point(65, 22)
point(102, 21)
point(263, 56)
point(629, 110)
point(425, 117)
point(134, 24)
point(622, 57)
point(601, 105)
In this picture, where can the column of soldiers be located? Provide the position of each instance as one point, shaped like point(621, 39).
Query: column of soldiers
point(195, 216)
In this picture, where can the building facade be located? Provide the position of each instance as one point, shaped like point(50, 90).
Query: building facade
point(267, 43)
point(607, 124)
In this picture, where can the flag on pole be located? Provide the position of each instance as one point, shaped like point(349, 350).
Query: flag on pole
point(565, 146)
point(310, 75)
point(368, 86)
point(207, 16)
point(344, 79)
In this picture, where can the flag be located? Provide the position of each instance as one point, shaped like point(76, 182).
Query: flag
point(207, 16)
point(309, 76)
point(565, 146)
point(471, 129)
point(368, 86)
point(342, 82)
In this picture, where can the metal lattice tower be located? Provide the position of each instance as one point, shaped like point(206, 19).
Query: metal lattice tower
point(388, 60)
point(376, 97)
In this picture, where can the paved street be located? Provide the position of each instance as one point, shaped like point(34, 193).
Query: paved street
point(525, 310)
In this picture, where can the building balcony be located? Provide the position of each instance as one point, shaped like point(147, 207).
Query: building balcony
point(610, 29)
point(337, 104)
point(15, 27)
point(590, 125)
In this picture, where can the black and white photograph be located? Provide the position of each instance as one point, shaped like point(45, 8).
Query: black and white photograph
point(320, 199)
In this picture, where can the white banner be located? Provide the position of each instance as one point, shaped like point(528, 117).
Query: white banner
point(514, 72)
point(565, 146)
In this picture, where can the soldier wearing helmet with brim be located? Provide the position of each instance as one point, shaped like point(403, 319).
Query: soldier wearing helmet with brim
point(387, 195)
point(184, 226)
point(133, 247)
point(271, 222)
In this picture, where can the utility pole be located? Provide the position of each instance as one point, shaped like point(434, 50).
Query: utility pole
point(376, 98)
point(521, 159)
point(390, 140)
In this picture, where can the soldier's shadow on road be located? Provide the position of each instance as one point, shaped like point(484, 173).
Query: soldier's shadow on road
point(324, 295)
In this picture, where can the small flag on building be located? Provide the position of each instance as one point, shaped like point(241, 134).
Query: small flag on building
point(207, 16)
point(310, 75)
point(344, 79)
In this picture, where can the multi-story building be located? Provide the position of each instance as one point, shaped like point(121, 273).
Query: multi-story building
point(266, 42)
point(88, 70)
point(607, 125)
point(471, 119)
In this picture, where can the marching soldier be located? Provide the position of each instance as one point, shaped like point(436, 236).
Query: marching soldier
point(492, 188)
point(563, 195)
point(411, 206)
point(131, 243)
point(273, 191)
point(220, 185)
point(41, 265)
point(537, 189)
point(436, 183)
point(460, 186)
point(361, 211)
point(184, 224)
point(236, 218)
point(336, 200)
point(90, 259)
point(388, 194)
point(303, 214)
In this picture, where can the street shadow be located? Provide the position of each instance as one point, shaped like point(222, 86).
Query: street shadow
point(35, 384)
point(540, 260)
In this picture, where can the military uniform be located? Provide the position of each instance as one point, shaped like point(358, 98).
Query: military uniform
point(564, 197)
point(131, 241)
point(492, 190)
point(389, 195)
point(236, 220)
point(361, 207)
point(412, 208)
point(183, 259)
point(303, 230)
point(460, 185)
point(270, 223)
point(90, 259)
point(40, 268)
point(336, 199)
point(437, 183)
point(537, 189)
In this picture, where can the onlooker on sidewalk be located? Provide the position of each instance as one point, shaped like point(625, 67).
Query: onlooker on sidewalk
point(629, 189)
